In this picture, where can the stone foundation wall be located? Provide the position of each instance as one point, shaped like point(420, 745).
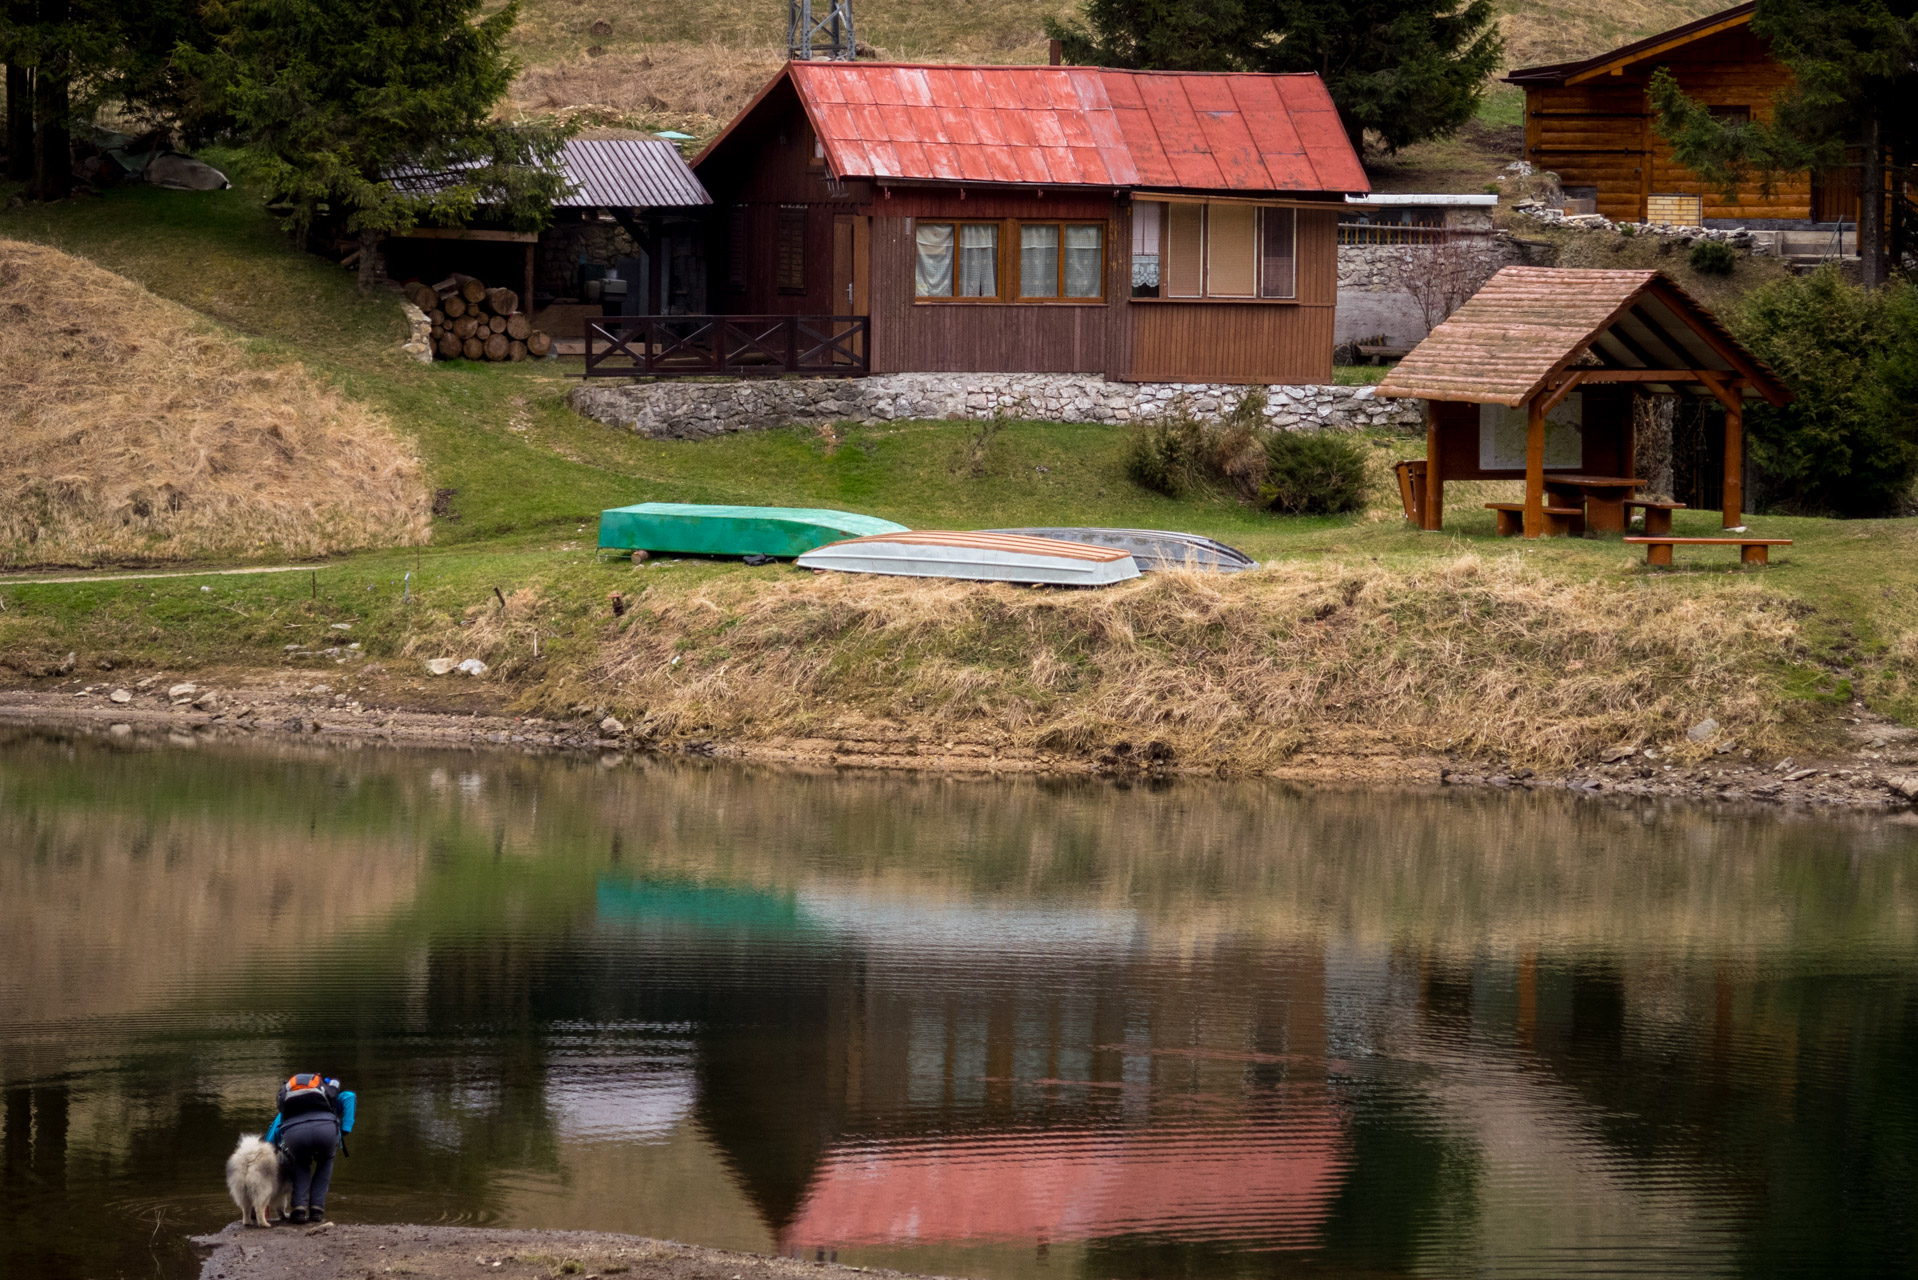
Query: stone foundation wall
point(685, 410)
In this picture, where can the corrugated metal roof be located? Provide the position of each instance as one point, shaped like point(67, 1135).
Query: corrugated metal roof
point(625, 173)
point(1528, 324)
point(1077, 126)
point(640, 173)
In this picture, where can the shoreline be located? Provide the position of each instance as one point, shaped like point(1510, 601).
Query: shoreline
point(337, 1251)
point(253, 704)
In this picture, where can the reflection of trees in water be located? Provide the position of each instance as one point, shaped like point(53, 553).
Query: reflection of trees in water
point(1644, 958)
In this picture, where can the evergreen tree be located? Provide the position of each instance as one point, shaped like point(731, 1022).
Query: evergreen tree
point(343, 95)
point(1402, 70)
point(1854, 100)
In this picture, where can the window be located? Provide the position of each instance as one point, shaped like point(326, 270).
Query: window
point(1743, 114)
point(1147, 220)
point(789, 269)
point(956, 260)
point(1224, 251)
point(738, 246)
point(1061, 260)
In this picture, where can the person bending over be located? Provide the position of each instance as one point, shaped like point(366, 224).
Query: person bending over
point(313, 1113)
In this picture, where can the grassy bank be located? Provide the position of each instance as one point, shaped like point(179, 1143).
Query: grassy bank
point(1359, 635)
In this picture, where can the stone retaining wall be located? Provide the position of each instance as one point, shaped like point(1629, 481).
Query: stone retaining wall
point(687, 410)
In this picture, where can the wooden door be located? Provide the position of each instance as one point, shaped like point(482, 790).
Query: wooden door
point(850, 240)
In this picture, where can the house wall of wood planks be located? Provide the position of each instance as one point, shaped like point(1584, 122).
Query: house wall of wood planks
point(1599, 132)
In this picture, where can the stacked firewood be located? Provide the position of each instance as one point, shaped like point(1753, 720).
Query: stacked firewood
point(472, 321)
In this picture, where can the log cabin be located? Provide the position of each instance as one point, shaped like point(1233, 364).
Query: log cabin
point(1146, 226)
point(1591, 122)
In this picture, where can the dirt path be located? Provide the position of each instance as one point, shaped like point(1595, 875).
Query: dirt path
point(336, 1252)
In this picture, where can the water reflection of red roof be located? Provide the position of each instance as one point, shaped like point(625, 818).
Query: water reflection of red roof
point(1077, 126)
point(1270, 1183)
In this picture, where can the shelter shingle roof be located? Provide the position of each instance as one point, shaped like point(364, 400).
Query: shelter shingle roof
point(1528, 324)
point(1075, 126)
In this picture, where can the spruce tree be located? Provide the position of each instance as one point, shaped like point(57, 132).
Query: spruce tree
point(343, 97)
point(1403, 71)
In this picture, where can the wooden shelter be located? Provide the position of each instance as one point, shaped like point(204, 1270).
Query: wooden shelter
point(1591, 122)
point(1532, 378)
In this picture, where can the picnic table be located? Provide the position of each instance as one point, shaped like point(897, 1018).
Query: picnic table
point(1603, 498)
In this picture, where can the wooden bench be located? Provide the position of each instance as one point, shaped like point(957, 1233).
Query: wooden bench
point(1411, 478)
point(1658, 551)
point(1377, 353)
point(1559, 521)
point(1658, 515)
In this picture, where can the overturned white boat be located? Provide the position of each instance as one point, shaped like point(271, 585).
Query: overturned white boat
point(1154, 548)
point(983, 557)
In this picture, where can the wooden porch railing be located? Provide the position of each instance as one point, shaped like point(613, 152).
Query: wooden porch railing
point(683, 346)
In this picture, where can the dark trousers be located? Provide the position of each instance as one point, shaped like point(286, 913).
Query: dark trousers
point(309, 1145)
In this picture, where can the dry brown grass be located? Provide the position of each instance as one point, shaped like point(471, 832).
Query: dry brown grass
point(1487, 657)
point(131, 430)
point(692, 66)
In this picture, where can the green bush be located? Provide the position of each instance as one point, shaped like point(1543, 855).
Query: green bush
point(1166, 455)
point(1313, 473)
point(1848, 444)
point(1712, 258)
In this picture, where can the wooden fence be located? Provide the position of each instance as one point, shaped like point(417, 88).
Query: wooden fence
point(686, 346)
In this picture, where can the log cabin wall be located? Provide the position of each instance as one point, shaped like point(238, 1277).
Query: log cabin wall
point(911, 335)
point(1249, 342)
point(759, 188)
point(1599, 133)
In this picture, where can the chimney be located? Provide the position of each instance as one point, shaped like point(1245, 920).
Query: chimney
point(1057, 48)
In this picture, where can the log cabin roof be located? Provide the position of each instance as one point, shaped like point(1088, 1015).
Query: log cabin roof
point(605, 173)
point(1617, 60)
point(1072, 126)
point(1528, 325)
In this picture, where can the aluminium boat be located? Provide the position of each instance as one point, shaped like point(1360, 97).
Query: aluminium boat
point(1154, 548)
point(978, 556)
point(697, 529)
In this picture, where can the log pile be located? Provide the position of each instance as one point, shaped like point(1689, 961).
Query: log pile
point(470, 321)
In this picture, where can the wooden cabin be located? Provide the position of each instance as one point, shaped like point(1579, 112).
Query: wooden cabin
point(1145, 226)
point(1591, 122)
point(1532, 380)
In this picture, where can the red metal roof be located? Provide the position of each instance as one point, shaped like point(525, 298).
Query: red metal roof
point(1077, 126)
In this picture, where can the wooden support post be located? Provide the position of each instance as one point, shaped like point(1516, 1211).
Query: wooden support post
point(1434, 483)
point(1534, 468)
point(1734, 462)
point(526, 295)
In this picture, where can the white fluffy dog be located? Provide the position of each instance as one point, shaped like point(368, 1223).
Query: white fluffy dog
point(258, 1180)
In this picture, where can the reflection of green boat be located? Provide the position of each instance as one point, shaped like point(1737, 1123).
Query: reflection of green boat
point(689, 905)
point(695, 529)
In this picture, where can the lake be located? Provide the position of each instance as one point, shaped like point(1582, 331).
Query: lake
point(1007, 1028)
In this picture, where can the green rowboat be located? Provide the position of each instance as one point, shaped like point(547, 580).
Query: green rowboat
point(694, 529)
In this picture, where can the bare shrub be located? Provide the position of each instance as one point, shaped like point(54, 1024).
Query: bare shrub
point(130, 429)
point(1441, 273)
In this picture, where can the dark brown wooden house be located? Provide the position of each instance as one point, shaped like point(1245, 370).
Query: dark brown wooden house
point(1591, 122)
point(1144, 226)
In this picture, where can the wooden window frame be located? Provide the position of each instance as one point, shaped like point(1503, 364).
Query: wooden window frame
point(1258, 298)
point(1007, 263)
point(1061, 298)
point(999, 262)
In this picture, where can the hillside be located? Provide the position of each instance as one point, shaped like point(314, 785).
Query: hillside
point(132, 430)
point(659, 64)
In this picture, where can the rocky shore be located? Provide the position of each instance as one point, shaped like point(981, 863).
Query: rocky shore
point(1881, 773)
point(335, 1251)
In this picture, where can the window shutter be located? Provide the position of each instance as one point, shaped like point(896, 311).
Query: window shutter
point(1231, 251)
point(790, 270)
point(1181, 270)
point(1278, 258)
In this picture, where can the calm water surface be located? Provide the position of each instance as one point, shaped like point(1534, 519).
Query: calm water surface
point(994, 1028)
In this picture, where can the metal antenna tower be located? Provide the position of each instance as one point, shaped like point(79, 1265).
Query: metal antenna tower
point(829, 36)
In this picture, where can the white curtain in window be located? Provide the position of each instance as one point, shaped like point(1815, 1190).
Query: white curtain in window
point(1084, 261)
point(932, 269)
point(1039, 262)
point(978, 260)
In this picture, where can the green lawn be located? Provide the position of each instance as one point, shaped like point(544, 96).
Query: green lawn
point(530, 477)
